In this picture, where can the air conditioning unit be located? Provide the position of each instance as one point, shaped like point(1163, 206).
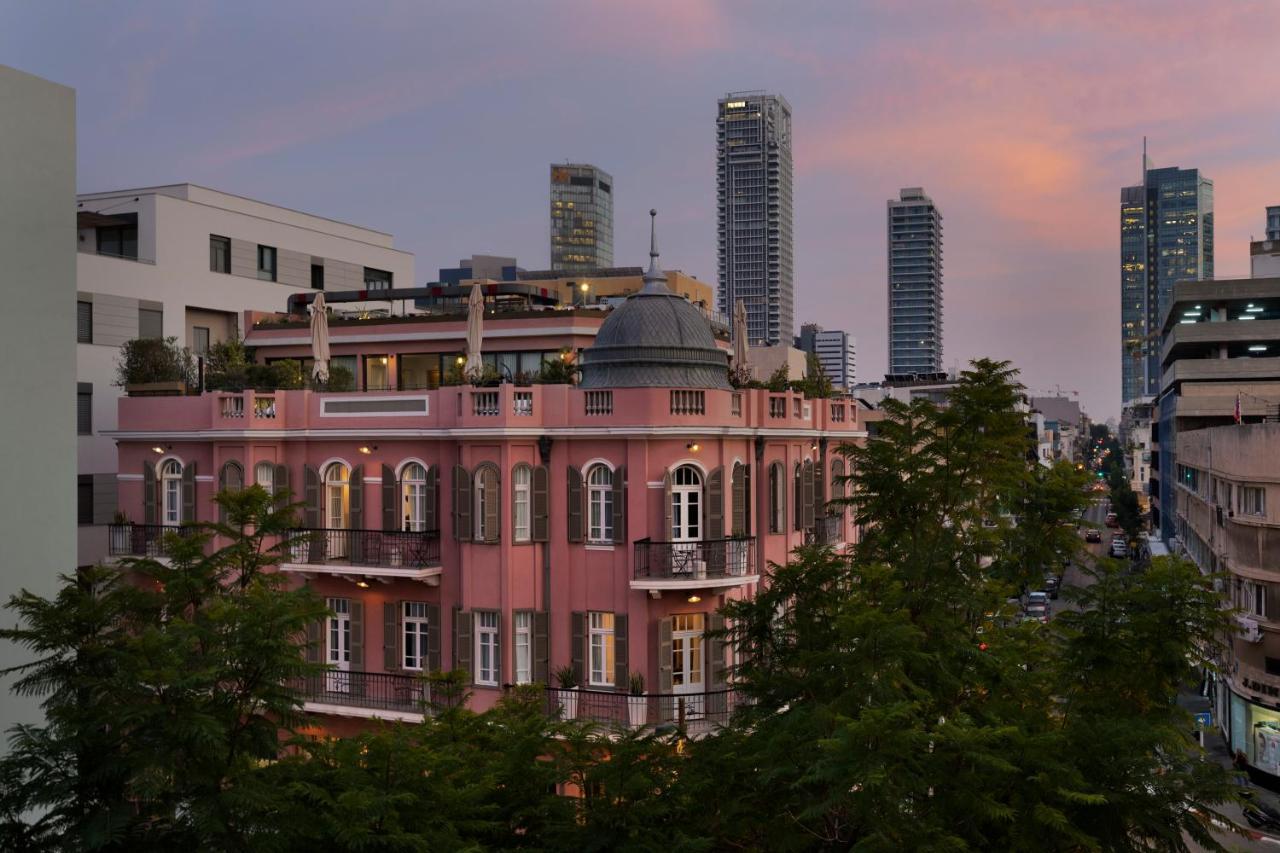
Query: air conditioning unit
point(1250, 632)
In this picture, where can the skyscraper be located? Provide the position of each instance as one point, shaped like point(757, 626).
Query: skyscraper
point(753, 196)
point(581, 217)
point(1166, 236)
point(915, 283)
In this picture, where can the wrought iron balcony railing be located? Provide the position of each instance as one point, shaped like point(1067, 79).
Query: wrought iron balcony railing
point(374, 548)
point(374, 690)
point(624, 710)
point(708, 559)
point(825, 531)
point(142, 540)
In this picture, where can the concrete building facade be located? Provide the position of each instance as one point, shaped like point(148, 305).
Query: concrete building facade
point(754, 221)
point(185, 261)
point(37, 197)
point(835, 350)
point(914, 265)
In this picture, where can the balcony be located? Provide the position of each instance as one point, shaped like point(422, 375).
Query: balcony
point(143, 540)
point(707, 564)
point(383, 554)
point(693, 713)
point(826, 530)
point(366, 694)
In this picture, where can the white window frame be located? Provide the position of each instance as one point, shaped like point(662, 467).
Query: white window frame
point(522, 643)
point(413, 497)
point(171, 491)
point(521, 505)
point(599, 503)
point(413, 633)
point(480, 500)
point(601, 649)
point(264, 474)
point(1249, 506)
point(487, 641)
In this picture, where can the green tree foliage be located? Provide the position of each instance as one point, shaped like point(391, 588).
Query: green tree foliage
point(816, 385)
point(897, 702)
point(144, 360)
point(164, 686)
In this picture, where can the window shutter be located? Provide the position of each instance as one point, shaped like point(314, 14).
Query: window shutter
point(575, 504)
point(390, 512)
point(739, 499)
point(541, 502)
point(578, 649)
point(311, 496)
point(462, 643)
point(541, 648)
point(715, 653)
point(620, 505)
point(461, 504)
point(492, 485)
point(356, 491)
point(664, 665)
point(666, 506)
point(746, 500)
point(820, 488)
point(315, 641)
point(390, 632)
point(621, 668)
point(357, 635)
point(808, 493)
point(715, 504)
point(281, 484)
point(230, 477)
point(189, 492)
point(149, 489)
point(798, 499)
point(432, 510)
point(433, 637)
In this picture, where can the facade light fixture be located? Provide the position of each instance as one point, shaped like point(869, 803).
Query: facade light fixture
point(366, 449)
point(362, 583)
point(158, 449)
point(693, 447)
point(694, 598)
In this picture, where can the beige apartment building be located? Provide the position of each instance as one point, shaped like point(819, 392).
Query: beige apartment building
point(1228, 519)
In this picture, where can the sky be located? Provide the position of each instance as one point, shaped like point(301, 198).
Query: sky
point(437, 122)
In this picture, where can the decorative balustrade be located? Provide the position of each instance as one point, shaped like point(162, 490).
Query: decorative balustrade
point(232, 406)
point(685, 402)
point(388, 549)
point(599, 402)
point(484, 403)
point(709, 559)
point(522, 403)
point(264, 407)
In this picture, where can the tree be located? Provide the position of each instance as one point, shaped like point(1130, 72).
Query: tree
point(896, 700)
point(165, 686)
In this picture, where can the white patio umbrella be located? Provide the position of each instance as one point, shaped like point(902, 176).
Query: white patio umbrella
point(741, 360)
point(320, 339)
point(475, 322)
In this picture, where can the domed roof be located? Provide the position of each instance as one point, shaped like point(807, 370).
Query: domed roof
point(656, 338)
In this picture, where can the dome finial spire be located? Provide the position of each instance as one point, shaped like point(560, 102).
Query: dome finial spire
point(654, 280)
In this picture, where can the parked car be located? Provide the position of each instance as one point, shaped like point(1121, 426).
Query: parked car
point(1093, 534)
point(1119, 548)
point(1112, 521)
point(1037, 610)
point(1038, 597)
point(1051, 585)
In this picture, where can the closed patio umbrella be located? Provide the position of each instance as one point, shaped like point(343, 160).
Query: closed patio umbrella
point(320, 339)
point(475, 323)
point(741, 361)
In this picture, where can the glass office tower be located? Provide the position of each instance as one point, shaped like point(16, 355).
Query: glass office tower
point(581, 217)
point(915, 283)
point(1166, 236)
point(754, 222)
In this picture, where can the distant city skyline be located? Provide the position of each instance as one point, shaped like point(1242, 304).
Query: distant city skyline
point(914, 262)
point(581, 217)
point(1006, 113)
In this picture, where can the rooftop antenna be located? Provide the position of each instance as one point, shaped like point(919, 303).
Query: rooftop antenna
point(654, 279)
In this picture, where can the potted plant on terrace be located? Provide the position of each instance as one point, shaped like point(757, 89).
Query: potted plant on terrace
point(155, 366)
point(568, 681)
point(637, 702)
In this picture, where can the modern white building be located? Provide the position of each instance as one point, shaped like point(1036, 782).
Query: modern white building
point(835, 350)
point(915, 284)
point(37, 192)
point(185, 261)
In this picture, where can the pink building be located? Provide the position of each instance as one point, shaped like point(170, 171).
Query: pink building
point(513, 530)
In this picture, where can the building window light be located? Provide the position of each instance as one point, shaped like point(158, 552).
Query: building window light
point(1246, 317)
point(1252, 310)
point(1258, 348)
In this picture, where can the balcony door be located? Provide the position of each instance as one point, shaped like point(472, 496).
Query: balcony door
point(337, 507)
point(688, 660)
point(339, 646)
point(686, 520)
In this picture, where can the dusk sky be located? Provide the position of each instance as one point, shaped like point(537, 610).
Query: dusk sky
point(437, 122)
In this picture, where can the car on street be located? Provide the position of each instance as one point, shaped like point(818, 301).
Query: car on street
point(1093, 534)
point(1051, 585)
point(1037, 610)
point(1119, 547)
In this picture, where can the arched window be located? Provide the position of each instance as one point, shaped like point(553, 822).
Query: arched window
point(487, 503)
point(837, 479)
point(777, 499)
point(413, 496)
point(171, 491)
point(600, 504)
point(686, 504)
point(337, 496)
point(264, 474)
point(521, 482)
